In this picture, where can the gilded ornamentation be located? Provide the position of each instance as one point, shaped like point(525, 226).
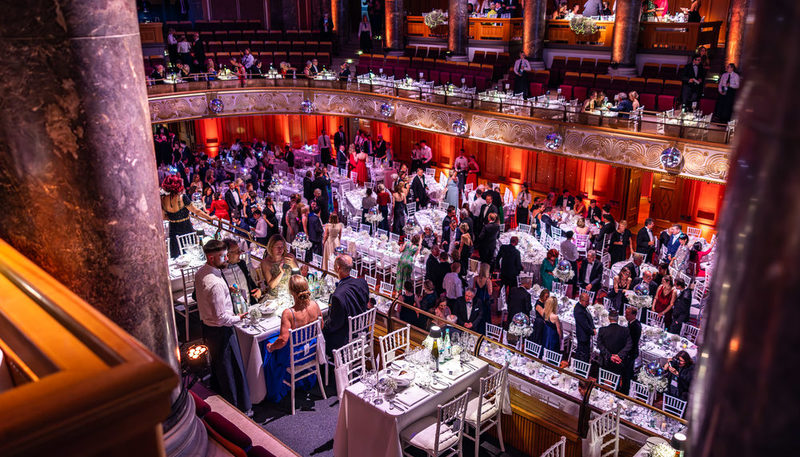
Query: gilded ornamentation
point(349, 105)
point(425, 117)
point(506, 131)
point(175, 108)
point(261, 101)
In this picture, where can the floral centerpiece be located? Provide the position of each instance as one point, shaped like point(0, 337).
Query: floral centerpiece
point(435, 18)
point(653, 376)
point(301, 242)
point(639, 296)
point(583, 25)
point(373, 216)
point(662, 450)
point(520, 327)
point(564, 271)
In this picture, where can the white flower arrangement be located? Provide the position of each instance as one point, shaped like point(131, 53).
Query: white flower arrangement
point(653, 382)
point(562, 275)
point(639, 301)
point(383, 238)
point(374, 218)
point(302, 245)
point(274, 187)
point(523, 331)
point(662, 450)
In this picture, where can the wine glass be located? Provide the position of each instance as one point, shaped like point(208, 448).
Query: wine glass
point(370, 379)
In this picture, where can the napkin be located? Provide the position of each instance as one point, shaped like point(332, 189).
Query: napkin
point(411, 396)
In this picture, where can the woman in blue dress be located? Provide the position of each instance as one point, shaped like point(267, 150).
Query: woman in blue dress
point(552, 325)
point(451, 196)
point(276, 359)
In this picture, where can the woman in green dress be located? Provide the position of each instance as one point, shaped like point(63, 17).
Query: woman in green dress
point(546, 270)
point(405, 266)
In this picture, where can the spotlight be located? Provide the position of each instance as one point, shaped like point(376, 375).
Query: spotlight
point(196, 363)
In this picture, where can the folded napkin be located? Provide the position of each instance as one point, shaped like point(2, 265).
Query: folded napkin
point(411, 396)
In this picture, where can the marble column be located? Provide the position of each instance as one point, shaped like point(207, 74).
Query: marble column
point(625, 39)
point(395, 26)
point(533, 28)
point(744, 398)
point(458, 24)
point(339, 18)
point(734, 36)
point(77, 167)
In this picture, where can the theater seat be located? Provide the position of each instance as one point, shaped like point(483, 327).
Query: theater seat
point(579, 92)
point(228, 430)
point(536, 89)
point(648, 101)
point(200, 406)
point(707, 105)
point(566, 91)
point(666, 102)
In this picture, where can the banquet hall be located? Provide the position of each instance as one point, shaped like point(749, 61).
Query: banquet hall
point(386, 228)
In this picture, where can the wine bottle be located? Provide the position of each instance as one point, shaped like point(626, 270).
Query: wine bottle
point(435, 353)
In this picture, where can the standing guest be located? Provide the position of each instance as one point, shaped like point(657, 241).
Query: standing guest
point(339, 139)
point(487, 240)
point(635, 266)
point(635, 331)
point(415, 157)
point(451, 194)
point(584, 328)
point(519, 300)
point(487, 209)
point(523, 204)
point(399, 211)
point(681, 372)
point(538, 317)
point(465, 218)
point(569, 252)
point(271, 217)
point(450, 236)
point(565, 200)
point(692, 76)
point(465, 248)
point(408, 313)
point(645, 240)
point(664, 300)
point(315, 231)
point(620, 240)
point(483, 289)
point(347, 300)
point(358, 162)
point(520, 77)
point(262, 228)
point(592, 8)
point(367, 203)
point(474, 171)
point(425, 154)
point(429, 296)
point(172, 44)
point(672, 242)
point(590, 272)
point(383, 199)
point(553, 333)
point(682, 307)
point(453, 286)
point(341, 158)
point(420, 189)
point(728, 86)
point(331, 239)
point(308, 186)
point(432, 264)
point(595, 213)
point(546, 270)
point(380, 148)
point(477, 204)
point(680, 261)
point(449, 216)
point(510, 262)
point(233, 199)
point(461, 165)
point(324, 143)
point(408, 257)
point(248, 61)
point(365, 34)
point(498, 202)
point(176, 206)
point(216, 314)
point(606, 232)
point(286, 206)
point(614, 343)
point(621, 283)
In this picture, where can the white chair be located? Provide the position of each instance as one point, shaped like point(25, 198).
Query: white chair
point(580, 367)
point(354, 177)
point(582, 243)
point(608, 379)
point(391, 343)
point(411, 209)
point(439, 435)
point(559, 288)
point(557, 450)
point(642, 392)
point(555, 232)
point(673, 405)
point(494, 332)
point(552, 357)
point(443, 206)
point(348, 364)
point(316, 260)
point(605, 430)
point(365, 228)
point(187, 241)
point(394, 238)
point(372, 282)
point(362, 326)
point(590, 293)
point(387, 289)
point(689, 332)
point(607, 303)
point(483, 411)
point(185, 305)
point(468, 188)
point(382, 232)
point(653, 319)
point(303, 360)
point(532, 349)
point(694, 232)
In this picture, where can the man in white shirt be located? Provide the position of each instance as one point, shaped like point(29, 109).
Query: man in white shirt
point(453, 288)
point(477, 203)
point(247, 59)
point(569, 252)
point(461, 164)
point(520, 77)
point(261, 229)
point(728, 86)
point(216, 313)
point(425, 154)
point(324, 143)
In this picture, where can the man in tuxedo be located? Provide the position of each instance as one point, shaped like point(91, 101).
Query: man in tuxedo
point(233, 200)
point(322, 205)
point(321, 182)
point(420, 189)
point(487, 209)
point(262, 178)
point(673, 244)
point(565, 200)
point(324, 144)
point(645, 240)
point(584, 328)
point(451, 214)
point(315, 229)
point(339, 138)
point(608, 229)
point(693, 76)
point(487, 240)
point(380, 148)
point(519, 300)
point(498, 202)
point(450, 236)
point(432, 264)
point(595, 214)
point(510, 262)
point(636, 265)
point(465, 218)
point(682, 307)
point(547, 220)
point(647, 279)
point(441, 272)
point(348, 299)
point(469, 311)
point(341, 158)
point(590, 272)
point(635, 331)
point(614, 343)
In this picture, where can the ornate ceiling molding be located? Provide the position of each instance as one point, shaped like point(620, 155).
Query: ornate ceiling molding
point(702, 161)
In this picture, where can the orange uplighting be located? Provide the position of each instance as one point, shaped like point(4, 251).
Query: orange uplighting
point(734, 345)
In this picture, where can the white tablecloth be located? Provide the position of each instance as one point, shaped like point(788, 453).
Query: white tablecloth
point(364, 429)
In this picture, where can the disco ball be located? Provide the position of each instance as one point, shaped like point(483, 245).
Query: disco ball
point(387, 109)
point(301, 237)
point(671, 158)
point(216, 105)
point(655, 369)
point(307, 106)
point(459, 126)
point(641, 289)
point(340, 250)
point(553, 141)
point(521, 320)
point(564, 265)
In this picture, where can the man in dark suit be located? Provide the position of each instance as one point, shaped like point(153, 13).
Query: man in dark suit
point(450, 235)
point(584, 328)
point(635, 331)
point(349, 299)
point(487, 240)
point(547, 220)
point(262, 178)
point(681, 309)
point(469, 311)
point(444, 268)
point(324, 145)
point(595, 214)
point(322, 204)
point(590, 272)
point(451, 214)
point(647, 279)
point(607, 230)
point(432, 264)
point(635, 266)
point(645, 240)
point(565, 200)
point(466, 218)
point(510, 262)
point(486, 209)
point(315, 229)
point(497, 200)
point(286, 206)
point(614, 343)
point(693, 76)
point(233, 200)
point(339, 138)
point(519, 300)
point(420, 189)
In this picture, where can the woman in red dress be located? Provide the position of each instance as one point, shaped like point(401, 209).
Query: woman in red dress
point(219, 207)
point(359, 163)
point(664, 300)
point(472, 174)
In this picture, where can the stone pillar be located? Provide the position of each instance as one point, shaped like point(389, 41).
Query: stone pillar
point(744, 396)
point(458, 24)
point(339, 18)
point(734, 36)
point(395, 26)
point(78, 169)
point(533, 28)
point(625, 40)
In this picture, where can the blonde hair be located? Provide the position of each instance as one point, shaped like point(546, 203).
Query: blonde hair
point(550, 307)
point(581, 223)
point(298, 287)
point(273, 240)
point(466, 240)
point(484, 270)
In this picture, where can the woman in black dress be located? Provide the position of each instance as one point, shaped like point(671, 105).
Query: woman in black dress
point(620, 240)
point(269, 215)
point(399, 211)
point(176, 206)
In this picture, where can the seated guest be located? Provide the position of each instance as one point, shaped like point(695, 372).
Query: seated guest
point(614, 343)
point(442, 311)
point(590, 272)
point(681, 371)
point(158, 74)
point(595, 213)
point(407, 313)
point(624, 106)
point(277, 359)
point(681, 309)
point(344, 74)
point(519, 300)
point(646, 279)
point(589, 104)
point(348, 299)
point(469, 312)
point(428, 300)
point(633, 96)
point(429, 239)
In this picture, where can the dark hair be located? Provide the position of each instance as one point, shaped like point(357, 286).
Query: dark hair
point(256, 212)
point(408, 286)
point(686, 358)
point(733, 65)
point(213, 246)
point(680, 283)
point(648, 221)
point(608, 217)
point(663, 265)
